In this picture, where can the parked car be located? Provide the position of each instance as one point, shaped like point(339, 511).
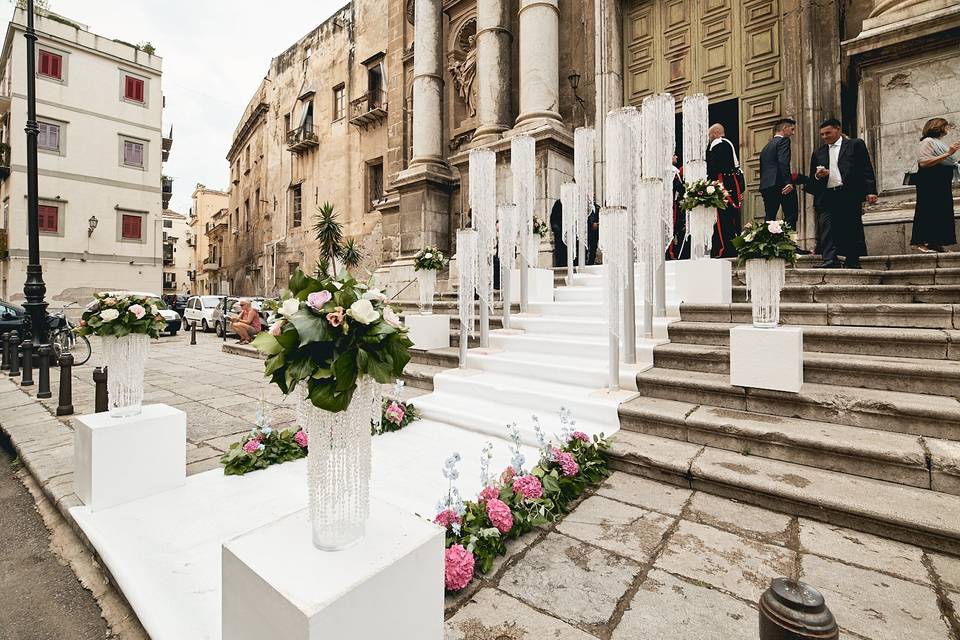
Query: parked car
point(11, 317)
point(174, 321)
point(200, 310)
point(176, 303)
point(219, 325)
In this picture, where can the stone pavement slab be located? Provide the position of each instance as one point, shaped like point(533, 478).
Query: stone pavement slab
point(625, 530)
point(493, 615)
point(645, 493)
point(739, 518)
point(948, 569)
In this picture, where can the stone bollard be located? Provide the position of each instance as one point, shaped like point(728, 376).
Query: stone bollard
point(5, 354)
point(27, 379)
point(65, 405)
point(43, 386)
point(14, 355)
point(193, 332)
point(101, 397)
point(792, 610)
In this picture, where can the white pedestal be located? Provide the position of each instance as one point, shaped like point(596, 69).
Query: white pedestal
point(706, 281)
point(117, 460)
point(540, 285)
point(767, 358)
point(275, 584)
point(428, 332)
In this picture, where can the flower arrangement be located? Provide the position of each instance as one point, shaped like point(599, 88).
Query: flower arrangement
point(121, 315)
point(767, 241)
point(332, 331)
point(397, 414)
point(517, 501)
point(704, 193)
point(429, 259)
point(540, 228)
point(263, 447)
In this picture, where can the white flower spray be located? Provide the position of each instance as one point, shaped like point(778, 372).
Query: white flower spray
point(452, 501)
point(486, 457)
point(518, 458)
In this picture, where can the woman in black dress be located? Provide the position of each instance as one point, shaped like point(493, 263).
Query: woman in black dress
point(933, 225)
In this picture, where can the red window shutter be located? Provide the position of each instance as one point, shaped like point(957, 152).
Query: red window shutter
point(133, 89)
point(57, 66)
point(51, 64)
point(138, 85)
point(48, 218)
point(131, 229)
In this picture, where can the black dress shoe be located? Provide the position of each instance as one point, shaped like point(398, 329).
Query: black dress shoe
point(829, 265)
point(804, 252)
point(851, 265)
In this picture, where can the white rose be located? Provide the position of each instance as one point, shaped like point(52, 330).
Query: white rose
point(375, 295)
point(289, 307)
point(109, 314)
point(427, 256)
point(710, 191)
point(363, 312)
point(153, 310)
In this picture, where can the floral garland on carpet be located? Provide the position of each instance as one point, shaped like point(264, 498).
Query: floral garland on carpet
point(396, 414)
point(518, 500)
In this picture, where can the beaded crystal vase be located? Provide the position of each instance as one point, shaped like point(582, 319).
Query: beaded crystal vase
point(765, 279)
point(427, 279)
point(125, 358)
point(700, 222)
point(338, 465)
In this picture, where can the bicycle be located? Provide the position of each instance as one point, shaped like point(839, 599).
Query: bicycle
point(63, 339)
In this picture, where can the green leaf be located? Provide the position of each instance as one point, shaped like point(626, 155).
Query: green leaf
point(298, 282)
point(323, 395)
point(266, 343)
point(310, 327)
point(345, 372)
point(273, 363)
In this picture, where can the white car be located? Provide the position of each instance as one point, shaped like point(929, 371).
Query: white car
point(200, 310)
point(172, 317)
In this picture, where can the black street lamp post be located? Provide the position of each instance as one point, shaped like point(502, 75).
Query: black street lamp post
point(34, 289)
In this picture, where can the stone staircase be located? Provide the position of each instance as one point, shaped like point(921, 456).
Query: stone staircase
point(872, 441)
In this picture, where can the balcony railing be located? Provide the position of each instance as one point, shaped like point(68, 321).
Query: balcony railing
point(166, 190)
point(4, 246)
point(368, 109)
point(213, 227)
point(302, 138)
point(211, 265)
point(4, 160)
point(167, 145)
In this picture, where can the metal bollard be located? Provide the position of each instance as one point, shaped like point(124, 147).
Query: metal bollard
point(14, 355)
point(193, 332)
point(27, 379)
point(5, 354)
point(65, 403)
point(101, 397)
point(792, 610)
point(43, 387)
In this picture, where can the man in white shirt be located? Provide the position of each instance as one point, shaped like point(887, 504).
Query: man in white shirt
point(842, 178)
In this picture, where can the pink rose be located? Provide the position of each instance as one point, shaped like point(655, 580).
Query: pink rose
point(774, 226)
point(277, 328)
point(528, 486)
point(395, 413)
point(581, 436)
point(500, 515)
point(391, 318)
point(300, 437)
point(446, 518)
point(458, 564)
point(335, 318)
point(252, 446)
point(488, 493)
point(317, 299)
point(137, 310)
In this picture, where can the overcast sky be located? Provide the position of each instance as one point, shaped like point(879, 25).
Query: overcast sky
point(215, 52)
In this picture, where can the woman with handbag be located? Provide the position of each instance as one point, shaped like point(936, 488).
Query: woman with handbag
point(933, 223)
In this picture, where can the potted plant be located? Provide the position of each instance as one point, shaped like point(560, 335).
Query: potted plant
point(701, 200)
point(766, 248)
point(335, 344)
point(125, 324)
point(427, 262)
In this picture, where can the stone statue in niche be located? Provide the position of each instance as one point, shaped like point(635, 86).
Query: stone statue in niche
point(464, 74)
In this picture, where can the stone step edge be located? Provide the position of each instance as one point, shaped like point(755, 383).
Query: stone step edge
point(684, 473)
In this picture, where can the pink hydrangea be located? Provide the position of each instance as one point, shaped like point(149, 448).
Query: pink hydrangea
point(300, 437)
point(458, 564)
point(252, 446)
point(500, 515)
point(528, 486)
point(446, 518)
point(488, 493)
point(395, 413)
point(567, 463)
point(581, 436)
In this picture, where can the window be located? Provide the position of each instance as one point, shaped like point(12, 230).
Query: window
point(133, 89)
point(286, 123)
point(339, 102)
point(296, 197)
point(131, 226)
point(292, 267)
point(375, 183)
point(133, 153)
point(246, 215)
point(49, 137)
point(246, 158)
point(169, 280)
point(49, 218)
point(50, 64)
point(168, 224)
point(306, 118)
point(375, 85)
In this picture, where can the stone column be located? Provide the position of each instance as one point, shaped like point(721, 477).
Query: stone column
point(428, 84)
point(539, 62)
point(493, 67)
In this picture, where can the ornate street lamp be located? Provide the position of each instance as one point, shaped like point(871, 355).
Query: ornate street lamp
point(34, 289)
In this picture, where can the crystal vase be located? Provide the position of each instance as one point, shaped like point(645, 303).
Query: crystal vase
point(765, 279)
point(427, 279)
point(338, 465)
point(700, 222)
point(125, 358)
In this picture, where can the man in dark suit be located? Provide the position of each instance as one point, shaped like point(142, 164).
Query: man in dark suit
point(724, 166)
point(776, 179)
point(841, 179)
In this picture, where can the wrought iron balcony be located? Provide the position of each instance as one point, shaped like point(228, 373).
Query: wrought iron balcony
point(370, 108)
point(166, 190)
point(167, 144)
point(4, 160)
point(211, 265)
point(302, 138)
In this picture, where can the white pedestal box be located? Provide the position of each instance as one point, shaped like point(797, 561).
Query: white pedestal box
point(428, 332)
point(767, 358)
point(117, 460)
point(540, 285)
point(706, 281)
point(275, 584)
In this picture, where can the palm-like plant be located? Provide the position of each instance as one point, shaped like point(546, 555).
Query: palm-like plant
point(329, 233)
point(351, 255)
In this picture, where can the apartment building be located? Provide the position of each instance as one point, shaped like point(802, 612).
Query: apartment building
point(205, 259)
point(101, 149)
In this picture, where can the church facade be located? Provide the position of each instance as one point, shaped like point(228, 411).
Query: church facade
point(377, 108)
